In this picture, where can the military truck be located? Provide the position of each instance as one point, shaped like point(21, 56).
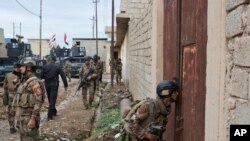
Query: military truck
point(16, 51)
point(75, 55)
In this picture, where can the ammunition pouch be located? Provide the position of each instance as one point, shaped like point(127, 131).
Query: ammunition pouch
point(26, 100)
point(22, 98)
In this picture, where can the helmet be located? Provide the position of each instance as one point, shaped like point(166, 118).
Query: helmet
point(16, 65)
point(166, 88)
point(87, 58)
point(30, 63)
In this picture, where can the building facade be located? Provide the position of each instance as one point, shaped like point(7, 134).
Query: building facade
point(90, 46)
point(206, 45)
point(45, 49)
point(3, 52)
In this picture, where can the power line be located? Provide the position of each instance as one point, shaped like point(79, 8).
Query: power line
point(27, 9)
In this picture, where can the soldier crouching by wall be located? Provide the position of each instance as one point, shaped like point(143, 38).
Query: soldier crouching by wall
point(147, 119)
point(28, 102)
point(11, 81)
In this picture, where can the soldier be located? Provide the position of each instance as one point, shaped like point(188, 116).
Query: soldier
point(99, 67)
point(118, 71)
point(67, 69)
point(147, 119)
point(50, 73)
point(86, 68)
point(28, 102)
point(114, 67)
point(10, 84)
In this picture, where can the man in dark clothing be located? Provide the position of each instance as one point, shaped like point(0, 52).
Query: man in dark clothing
point(50, 73)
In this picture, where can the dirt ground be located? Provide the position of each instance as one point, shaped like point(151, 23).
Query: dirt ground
point(72, 122)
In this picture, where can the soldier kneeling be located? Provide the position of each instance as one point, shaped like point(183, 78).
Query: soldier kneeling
point(147, 119)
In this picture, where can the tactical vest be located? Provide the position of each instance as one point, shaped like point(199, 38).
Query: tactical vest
point(119, 66)
point(25, 98)
point(161, 120)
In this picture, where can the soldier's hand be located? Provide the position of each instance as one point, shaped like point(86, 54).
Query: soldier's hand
point(31, 123)
point(151, 137)
point(89, 78)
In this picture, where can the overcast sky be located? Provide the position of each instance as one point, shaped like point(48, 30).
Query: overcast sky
point(59, 16)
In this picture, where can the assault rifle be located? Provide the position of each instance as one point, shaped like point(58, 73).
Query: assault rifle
point(84, 80)
point(157, 130)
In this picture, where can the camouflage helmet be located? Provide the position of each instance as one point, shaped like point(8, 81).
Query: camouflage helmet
point(166, 88)
point(16, 65)
point(88, 58)
point(30, 63)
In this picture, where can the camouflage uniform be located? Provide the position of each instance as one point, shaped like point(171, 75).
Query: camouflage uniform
point(99, 67)
point(147, 112)
point(10, 84)
point(90, 87)
point(67, 70)
point(118, 71)
point(114, 67)
point(28, 101)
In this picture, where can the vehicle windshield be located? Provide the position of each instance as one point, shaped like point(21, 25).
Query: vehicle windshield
point(76, 60)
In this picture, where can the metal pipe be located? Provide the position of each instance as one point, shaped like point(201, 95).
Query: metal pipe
point(40, 37)
point(124, 107)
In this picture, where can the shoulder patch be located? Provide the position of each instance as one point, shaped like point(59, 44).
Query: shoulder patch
point(36, 88)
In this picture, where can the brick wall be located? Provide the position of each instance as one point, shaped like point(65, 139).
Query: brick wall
point(139, 47)
point(238, 62)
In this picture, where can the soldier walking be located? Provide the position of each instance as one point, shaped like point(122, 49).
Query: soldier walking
point(50, 73)
point(118, 70)
point(67, 69)
point(11, 81)
point(28, 102)
point(99, 68)
point(88, 70)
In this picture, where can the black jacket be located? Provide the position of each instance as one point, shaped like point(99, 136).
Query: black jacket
point(51, 72)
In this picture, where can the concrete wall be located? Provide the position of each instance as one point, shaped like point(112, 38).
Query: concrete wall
point(237, 91)
point(35, 46)
point(123, 56)
point(215, 117)
point(3, 51)
point(157, 43)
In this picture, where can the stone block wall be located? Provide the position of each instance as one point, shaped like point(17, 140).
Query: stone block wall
point(139, 47)
point(237, 85)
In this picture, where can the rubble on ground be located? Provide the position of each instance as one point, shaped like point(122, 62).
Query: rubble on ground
point(110, 102)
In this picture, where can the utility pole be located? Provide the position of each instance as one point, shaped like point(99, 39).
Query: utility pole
point(40, 37)
point(96, 1)
point(20, 28)
point(13, 30)
point(112, 45)
point(93, 27)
